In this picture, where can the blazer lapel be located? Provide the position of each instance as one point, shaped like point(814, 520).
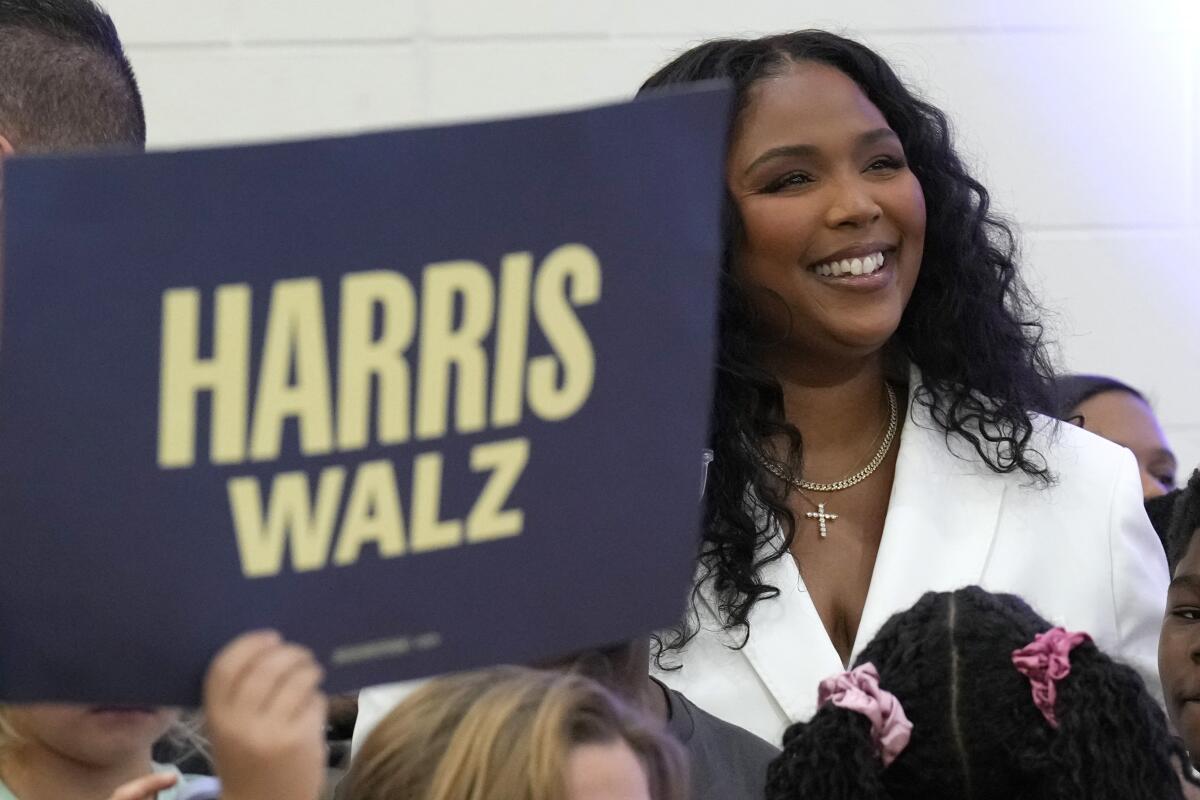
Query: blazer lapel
point(788, 646)
point(941, 521)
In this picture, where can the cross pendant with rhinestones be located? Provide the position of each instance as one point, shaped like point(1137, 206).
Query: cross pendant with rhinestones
point(820, 516)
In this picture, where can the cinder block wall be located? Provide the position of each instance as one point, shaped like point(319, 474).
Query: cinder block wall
point(1080, 115)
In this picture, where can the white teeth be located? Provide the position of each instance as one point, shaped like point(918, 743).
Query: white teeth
point(851, 266)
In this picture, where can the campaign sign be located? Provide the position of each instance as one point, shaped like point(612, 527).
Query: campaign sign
point(420, 400)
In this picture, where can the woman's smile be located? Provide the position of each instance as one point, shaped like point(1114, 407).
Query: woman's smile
point(863, 268)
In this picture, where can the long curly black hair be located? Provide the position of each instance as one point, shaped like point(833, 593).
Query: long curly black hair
point(976, 731)
point(971, 326)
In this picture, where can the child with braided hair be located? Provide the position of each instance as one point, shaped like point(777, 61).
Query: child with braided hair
point(973, 695)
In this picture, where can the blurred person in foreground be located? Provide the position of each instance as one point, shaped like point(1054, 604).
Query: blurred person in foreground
point(264, 714)
point(514, 732)
point(726, 762)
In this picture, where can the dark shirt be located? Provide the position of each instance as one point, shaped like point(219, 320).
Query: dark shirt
point(728, 763)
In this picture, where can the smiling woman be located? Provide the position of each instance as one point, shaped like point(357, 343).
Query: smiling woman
point(863, 272)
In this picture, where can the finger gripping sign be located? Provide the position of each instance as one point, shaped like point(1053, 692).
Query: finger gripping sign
point(421, 400)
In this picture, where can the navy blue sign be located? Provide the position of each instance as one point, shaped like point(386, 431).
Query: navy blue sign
point(421, 400)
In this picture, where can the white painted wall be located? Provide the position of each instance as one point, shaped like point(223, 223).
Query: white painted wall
point(1079, 114)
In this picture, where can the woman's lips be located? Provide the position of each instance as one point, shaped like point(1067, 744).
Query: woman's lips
point(879, 275)
point(866, 264)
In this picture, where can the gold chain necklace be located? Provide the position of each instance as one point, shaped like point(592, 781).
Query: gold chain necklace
point(820, 515)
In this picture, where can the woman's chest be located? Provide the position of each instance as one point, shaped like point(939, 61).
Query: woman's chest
point(835, 546)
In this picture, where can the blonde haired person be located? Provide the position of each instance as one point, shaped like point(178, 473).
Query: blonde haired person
point(77, 751)
point(264, 714)
point(512, 733)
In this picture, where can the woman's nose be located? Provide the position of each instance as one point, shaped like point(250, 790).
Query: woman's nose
point(852, 205)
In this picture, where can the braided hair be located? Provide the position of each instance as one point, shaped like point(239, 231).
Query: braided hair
point(976, 731)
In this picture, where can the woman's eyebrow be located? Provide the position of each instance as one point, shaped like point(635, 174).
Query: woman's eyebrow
point(803, 150)
point(877, 135)
point(786, 151)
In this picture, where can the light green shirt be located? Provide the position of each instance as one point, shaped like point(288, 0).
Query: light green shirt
point(169, 794)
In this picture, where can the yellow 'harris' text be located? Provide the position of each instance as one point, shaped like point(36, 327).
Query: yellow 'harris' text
point(295, 379)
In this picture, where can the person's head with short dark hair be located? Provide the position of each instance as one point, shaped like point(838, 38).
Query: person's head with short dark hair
point(976, 729)
point(1070, 391)
point(1184, 522)
point(1159, 509)
point(1120, 413)
point(65, 82)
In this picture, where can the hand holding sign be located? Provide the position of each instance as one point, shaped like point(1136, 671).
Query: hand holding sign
point(266, 717)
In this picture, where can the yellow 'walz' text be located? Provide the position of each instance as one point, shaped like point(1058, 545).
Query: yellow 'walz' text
point(332, 517)
point(380, 320)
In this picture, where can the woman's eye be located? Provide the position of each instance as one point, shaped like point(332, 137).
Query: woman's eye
point(1166, 479)
point(885, 163)
point(1188, 613)
point(788, 181)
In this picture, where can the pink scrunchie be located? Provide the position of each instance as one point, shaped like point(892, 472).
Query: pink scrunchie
point(1045, 661)
point(858, 690)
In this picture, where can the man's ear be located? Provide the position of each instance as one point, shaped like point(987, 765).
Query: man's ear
point(6, 148)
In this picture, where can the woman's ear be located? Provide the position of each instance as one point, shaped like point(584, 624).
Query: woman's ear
point(6, 148)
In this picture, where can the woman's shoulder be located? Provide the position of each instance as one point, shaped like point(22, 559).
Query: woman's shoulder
point(1072, 454)
point(1084, 473)
point(1069, 454)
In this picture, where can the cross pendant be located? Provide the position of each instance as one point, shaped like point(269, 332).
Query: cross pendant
point(821, 517)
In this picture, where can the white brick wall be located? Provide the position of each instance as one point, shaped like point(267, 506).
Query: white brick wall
point(1079, 114)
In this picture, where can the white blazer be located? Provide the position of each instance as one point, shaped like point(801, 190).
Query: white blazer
point(1081, 552)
